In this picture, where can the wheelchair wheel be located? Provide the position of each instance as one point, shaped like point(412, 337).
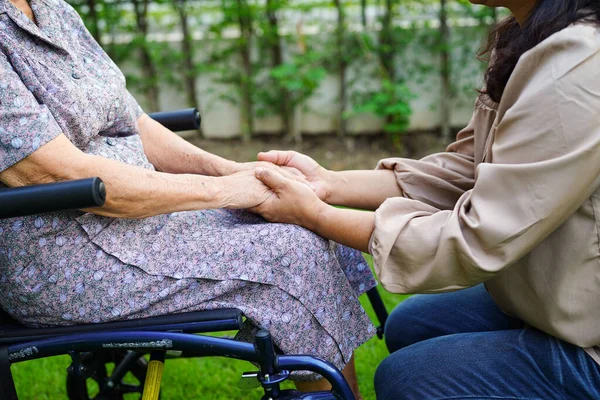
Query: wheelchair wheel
point(96, 384)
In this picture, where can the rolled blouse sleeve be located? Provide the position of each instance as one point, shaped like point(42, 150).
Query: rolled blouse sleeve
point(25, 125)
point(439, 179)
point(543, 166)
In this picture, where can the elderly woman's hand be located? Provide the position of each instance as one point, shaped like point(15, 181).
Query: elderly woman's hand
point(292, 202)
point(244, 190)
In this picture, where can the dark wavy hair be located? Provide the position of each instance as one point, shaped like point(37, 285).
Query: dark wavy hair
point(508, 41)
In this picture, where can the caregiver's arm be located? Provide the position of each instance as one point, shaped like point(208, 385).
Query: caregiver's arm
point(439, 179)
point(294, 203)
point(361, 189)
point(358, 189)
point(543, 167)
point(134, 192)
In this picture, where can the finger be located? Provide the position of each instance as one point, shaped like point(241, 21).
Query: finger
point(294, 171)
point(289, 173)
point(276, 157)
point(301, 180)
point(271, 178)
point(298, 178)
point(310, 185)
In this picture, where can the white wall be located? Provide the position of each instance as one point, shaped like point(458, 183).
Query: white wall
point(221, 119)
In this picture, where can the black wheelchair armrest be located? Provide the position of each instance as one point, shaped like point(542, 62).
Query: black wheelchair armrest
point(180, 120)
point(51, 197)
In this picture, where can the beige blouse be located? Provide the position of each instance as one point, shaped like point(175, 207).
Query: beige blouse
point(515, 201)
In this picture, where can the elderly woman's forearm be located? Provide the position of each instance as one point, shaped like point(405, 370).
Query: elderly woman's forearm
point(132, 192)
point(168, 152)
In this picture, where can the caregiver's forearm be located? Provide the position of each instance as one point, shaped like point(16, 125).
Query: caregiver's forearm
point(168, 152)
point(350, 228)
point(366, 190)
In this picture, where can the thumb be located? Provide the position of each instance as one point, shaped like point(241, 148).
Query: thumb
point(272, 179)
point(275, 157)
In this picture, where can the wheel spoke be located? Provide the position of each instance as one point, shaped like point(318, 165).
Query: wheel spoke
point(129, 388)
point(77, 386)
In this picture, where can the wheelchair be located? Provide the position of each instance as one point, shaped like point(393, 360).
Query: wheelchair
point(128, 343)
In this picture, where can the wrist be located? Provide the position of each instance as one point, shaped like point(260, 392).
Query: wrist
point(333, 181)
point(315, 214)
point(200, 192)
point(223, 194)
point(226, 167)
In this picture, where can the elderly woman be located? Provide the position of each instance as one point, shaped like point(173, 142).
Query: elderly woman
point(163, 243)
point(513, 203)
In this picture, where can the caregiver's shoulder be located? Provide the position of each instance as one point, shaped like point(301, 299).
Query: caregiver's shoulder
point(567, 49)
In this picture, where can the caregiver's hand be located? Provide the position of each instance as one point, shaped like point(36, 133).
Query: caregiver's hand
point(288, 172)
point(314, 173)
point(291, 202)
point(294, 203)
point(365, 190)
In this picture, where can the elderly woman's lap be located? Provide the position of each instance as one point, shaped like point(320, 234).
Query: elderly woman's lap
point(284, 278)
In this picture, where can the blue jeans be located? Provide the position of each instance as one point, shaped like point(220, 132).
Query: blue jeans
point(461, 346)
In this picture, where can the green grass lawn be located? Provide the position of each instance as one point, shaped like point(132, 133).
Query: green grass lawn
point(211, 378)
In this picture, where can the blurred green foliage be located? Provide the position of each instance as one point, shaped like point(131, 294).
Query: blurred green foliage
point(270, 56)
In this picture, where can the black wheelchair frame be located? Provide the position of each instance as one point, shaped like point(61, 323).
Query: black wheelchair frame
point(126, 343)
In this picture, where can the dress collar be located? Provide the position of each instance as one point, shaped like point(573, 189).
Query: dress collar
point(43, 11)
point(4, 4)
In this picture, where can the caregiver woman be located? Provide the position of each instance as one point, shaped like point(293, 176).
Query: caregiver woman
point(510, 211)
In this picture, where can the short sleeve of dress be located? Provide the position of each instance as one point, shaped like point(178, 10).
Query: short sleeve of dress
point(25, 125)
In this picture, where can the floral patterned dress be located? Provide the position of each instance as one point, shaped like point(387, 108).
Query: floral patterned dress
point(74, 267)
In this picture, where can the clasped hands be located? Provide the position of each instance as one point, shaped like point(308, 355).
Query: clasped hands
point(283, 186)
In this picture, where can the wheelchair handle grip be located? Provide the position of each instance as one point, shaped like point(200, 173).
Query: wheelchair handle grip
point(52, 197)
point(181, 120)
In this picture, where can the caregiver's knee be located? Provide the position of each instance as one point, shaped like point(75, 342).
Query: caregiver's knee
point(391, 377)
point(404, 327)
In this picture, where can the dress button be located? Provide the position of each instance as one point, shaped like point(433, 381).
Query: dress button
point(111, 141)
point(75, 75)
